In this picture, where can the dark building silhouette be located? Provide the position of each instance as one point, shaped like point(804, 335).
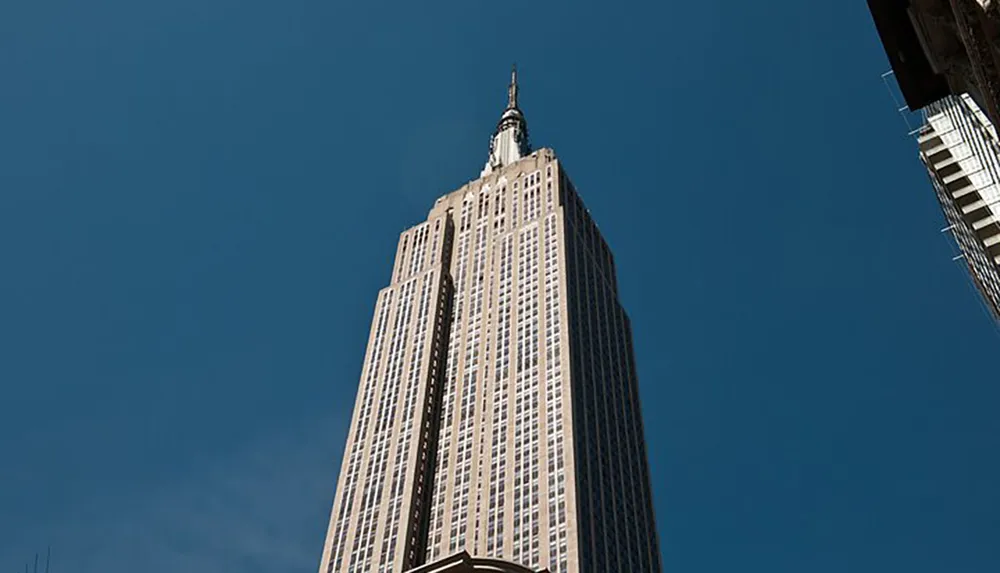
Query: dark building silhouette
point(943, 47)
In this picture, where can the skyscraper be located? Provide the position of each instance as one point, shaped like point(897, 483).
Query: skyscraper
point(959, 147)
point(498, 410)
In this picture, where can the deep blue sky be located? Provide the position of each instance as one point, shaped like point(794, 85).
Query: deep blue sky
point(200, 198)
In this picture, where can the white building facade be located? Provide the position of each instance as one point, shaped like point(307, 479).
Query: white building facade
point(960, 149)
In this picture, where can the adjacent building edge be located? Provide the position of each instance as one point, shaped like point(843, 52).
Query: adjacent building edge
point(942, 47)
point(945, 57)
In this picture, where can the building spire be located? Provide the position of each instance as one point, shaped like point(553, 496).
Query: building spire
point(512, 89)
point(510, 139)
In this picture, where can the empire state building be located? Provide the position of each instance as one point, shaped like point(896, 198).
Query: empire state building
point(497, 425)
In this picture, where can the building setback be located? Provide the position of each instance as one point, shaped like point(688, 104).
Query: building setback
point(498, 410)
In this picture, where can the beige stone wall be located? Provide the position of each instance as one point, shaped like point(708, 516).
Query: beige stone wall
point(465, 414)
point(512, 212)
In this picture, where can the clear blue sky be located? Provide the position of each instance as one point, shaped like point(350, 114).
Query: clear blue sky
point(200, 198)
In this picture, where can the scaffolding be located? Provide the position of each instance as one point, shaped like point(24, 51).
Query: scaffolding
point(915, 121)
